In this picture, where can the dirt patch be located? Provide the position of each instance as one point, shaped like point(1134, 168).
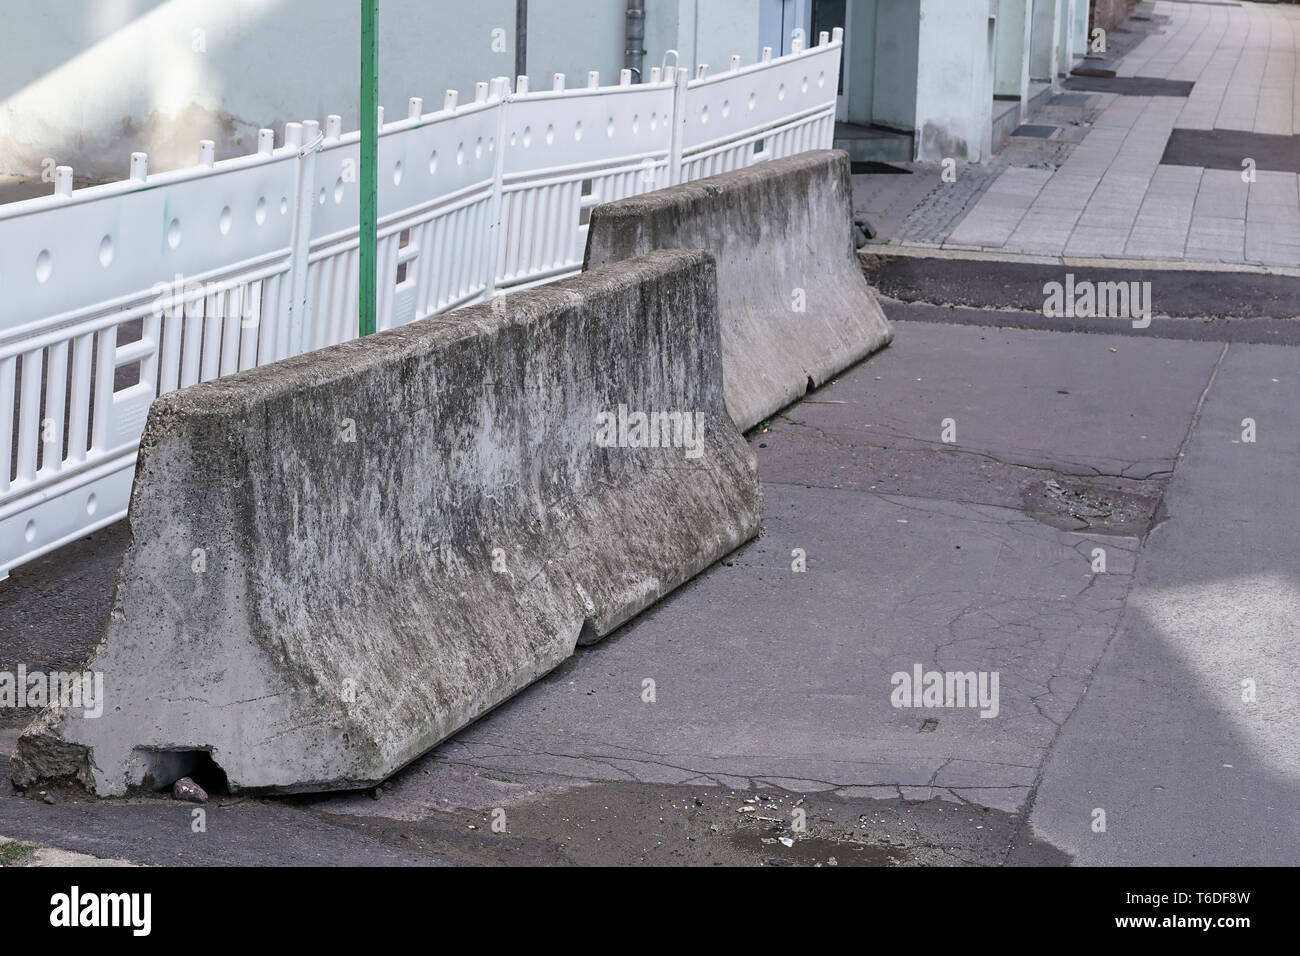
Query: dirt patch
point(626, 824)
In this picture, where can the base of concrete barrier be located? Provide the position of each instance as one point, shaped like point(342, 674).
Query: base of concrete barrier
point(340, 559)
point(792, 303)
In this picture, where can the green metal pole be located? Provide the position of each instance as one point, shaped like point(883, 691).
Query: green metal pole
point(369, 161)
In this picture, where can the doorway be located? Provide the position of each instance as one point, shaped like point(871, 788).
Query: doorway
point(827, 15)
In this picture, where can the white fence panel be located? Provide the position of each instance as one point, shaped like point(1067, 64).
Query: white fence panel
point(769, 110)
point(118, 293)
point(437, 175)
point(112, 295)
point(568, 151)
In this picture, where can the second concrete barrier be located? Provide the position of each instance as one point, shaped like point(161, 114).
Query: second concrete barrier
point(793, 307)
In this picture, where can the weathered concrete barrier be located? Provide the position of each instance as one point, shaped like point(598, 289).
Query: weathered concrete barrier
point(340, 559)
point(792, 303)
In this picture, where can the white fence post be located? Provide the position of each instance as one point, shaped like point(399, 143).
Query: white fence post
point(293, 314)
point(496, 222)
point(680, 79)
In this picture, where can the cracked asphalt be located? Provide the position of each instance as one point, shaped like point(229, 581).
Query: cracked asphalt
point(773, 737)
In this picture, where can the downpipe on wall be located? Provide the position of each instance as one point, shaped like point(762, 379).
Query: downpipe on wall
point(635, 51)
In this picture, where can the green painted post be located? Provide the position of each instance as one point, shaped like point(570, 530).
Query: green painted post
point(369, 162)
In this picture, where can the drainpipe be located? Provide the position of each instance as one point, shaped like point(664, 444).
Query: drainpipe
point(521, 37)
point(635, 38)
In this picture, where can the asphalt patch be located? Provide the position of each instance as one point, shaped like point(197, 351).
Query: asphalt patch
point(873, 168)
point(1229, 148)
point(1037, 132)
point(1091, 67)
point(1130, 85)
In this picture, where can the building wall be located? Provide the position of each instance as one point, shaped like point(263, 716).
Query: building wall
point(1042, 50)
point(954, 80)
point(777, 18)
point(897, 52)
point(860, 56)
point(1012, 52)
point(572, 37)
point(86, 83)
point(701, 31)
point(1109, 14)
point(1080, 13)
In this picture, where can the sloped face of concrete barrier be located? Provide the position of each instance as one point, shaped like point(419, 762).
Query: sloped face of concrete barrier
point(340, 559)
point(792, 303)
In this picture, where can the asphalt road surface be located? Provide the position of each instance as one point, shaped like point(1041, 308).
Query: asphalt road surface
point(1145, 714)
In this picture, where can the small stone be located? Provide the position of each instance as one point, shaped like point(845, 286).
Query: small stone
point(48, 799)
point(189, 791)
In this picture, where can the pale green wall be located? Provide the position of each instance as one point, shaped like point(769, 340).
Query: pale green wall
point(860, 56)
point(1011, 47)
point(87, 82)
point(572, 37)
point(894, 85)
point(702, 31)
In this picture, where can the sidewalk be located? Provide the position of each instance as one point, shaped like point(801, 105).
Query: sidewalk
point(1129, 192)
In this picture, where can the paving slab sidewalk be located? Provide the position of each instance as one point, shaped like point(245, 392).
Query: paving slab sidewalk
point(1115, 197)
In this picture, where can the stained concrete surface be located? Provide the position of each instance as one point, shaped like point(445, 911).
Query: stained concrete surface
point(1118, 690)
point(268, 663)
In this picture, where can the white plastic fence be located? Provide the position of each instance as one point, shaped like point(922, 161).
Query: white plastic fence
point(112, 295)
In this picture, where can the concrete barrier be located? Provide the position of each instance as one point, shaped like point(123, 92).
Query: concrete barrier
point(340, 559)
point(792, 303)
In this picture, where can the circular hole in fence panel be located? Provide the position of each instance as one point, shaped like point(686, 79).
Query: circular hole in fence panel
point(338, 191)
point(704, 115)
point(174, 233)
point(259, 212)
point(30, 532)
point(609, 128)
point(528, 136)
point(44, 266)
point(753, 100)
point(636, 123)
point(397, 173)
point(577, 131)
point(91, 504)
point(550, 134)
point(654, 121)
point(821, 79)
point(284, 207)
point(803, 87)
point(460, 154)
point(433, 162)
point(223, 221)
point(726, 108)
point(780, 92)
point(478, 148)
point(106, 250)
point(492, 144)
point(321, 198)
